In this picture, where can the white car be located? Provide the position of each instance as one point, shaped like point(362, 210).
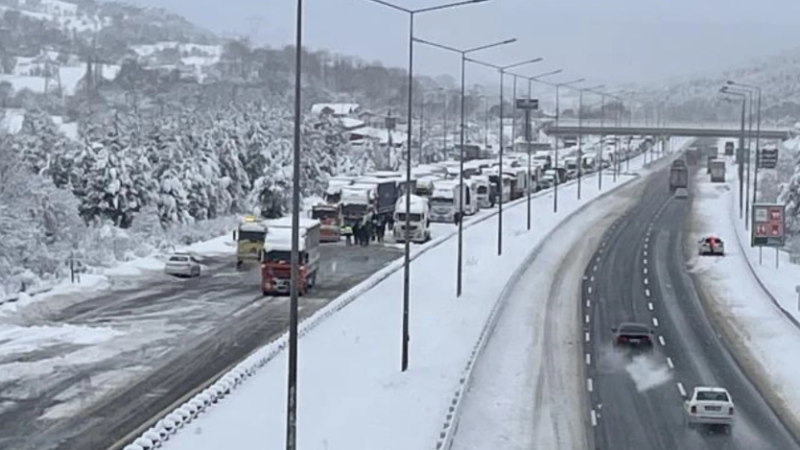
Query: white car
point(711, 406)
point(182, 265)
point(711, 245)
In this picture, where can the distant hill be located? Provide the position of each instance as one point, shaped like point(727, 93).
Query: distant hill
point(700, 99)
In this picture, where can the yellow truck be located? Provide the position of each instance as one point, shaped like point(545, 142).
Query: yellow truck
point(249, 237)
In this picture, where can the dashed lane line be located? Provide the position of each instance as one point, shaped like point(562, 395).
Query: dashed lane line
point(655, 322)
point(650, 306)
point(662, 341)
point(588, 359)
point(670, 363)
point(681, 389)
point(594, 418)
point(589, 384)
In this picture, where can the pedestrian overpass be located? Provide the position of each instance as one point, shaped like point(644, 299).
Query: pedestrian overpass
point(690, 129)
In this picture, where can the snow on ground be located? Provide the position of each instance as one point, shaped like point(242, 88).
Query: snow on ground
point(526, 390)
point(766, 341)
point(11, 120)
point(137, 268)
point(69, 79)
point(352, 393)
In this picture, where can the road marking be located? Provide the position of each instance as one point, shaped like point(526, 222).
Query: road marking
point(588, 337)
point(662, 341)
point(644, 252)
point(647, 292)
point(655, 322)
point(650, 306)
point(644, 270)
point(597, 259)
point(589, 290)
point(680, 388)
point(588, 318)
point(591, 279)
point(644, 261)
point(588, 359)
point(588, 303)
point(669, 363)
point(594, 418)
point(589, 384)
point(646, 281)
point(594, 268)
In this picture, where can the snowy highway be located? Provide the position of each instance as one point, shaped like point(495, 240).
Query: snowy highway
point(82, 371)
point(639, 275)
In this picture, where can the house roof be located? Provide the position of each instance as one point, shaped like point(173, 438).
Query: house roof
point(351, 124)
point(339, 109)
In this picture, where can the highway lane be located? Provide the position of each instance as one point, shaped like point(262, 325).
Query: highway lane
point(171, 335)
point(636, 402)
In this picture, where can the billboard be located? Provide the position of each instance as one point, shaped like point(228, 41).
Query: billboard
point(768, 158)
point(769, 225)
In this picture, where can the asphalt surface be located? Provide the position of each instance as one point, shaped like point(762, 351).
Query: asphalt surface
point(173, 335)
point(639, 275)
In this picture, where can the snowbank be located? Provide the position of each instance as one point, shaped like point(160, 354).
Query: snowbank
point(351, 361)
point(753, 302)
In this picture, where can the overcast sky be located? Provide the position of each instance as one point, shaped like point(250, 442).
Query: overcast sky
point(606, 41)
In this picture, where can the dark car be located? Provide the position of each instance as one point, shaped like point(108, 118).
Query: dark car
point(633, 335)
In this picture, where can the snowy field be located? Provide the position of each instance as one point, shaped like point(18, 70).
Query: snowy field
point(765, 340)
point(352, 359)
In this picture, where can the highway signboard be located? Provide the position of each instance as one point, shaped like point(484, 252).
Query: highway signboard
point(769, 225)
point(768, 158)
point(528, 103)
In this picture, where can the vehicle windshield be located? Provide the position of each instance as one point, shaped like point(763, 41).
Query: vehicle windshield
point(634, 329)
point(441, 201)
point(321, 214)
point(712, 396)
point(401, 217)
point(252, 236)
point(280, 256)
point(483, 189)
point(179, 259)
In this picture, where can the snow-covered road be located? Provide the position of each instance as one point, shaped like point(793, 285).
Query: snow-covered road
point(352, 359)
point(528, 384)
point(765, 340)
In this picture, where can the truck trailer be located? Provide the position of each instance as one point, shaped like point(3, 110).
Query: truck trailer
point(276, 258)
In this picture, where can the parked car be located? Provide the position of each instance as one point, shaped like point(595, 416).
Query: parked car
point(682, 193)
point(182, 265)
point(635, 335)
point(711, 245)
point(710, 406)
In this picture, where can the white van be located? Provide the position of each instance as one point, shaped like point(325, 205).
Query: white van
point(419, 218)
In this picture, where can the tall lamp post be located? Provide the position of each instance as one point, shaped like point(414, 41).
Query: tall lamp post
point(558, 87)
point(463, 53)
point(616, 138)
point(412, 13)
point(528, 134)
point(580, 132)
point(758, 134)
point(502, 70)
point(743, 96)
point(291, 382)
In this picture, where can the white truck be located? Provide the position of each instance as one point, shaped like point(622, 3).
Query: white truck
point(333, 192)
point(483, 191)
point(276, 259)
point(444, 201)
point(419, 217)
point(358, 203)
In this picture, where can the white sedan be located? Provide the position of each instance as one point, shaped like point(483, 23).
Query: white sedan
point(711, 406)
point(182, 265)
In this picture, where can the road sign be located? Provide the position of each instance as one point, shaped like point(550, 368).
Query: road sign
point(528, 103)
point(769, 225)
point(768, 158)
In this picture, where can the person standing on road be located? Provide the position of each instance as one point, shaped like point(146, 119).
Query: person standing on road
point(347, 231)
point(457, 217)
point(367, 233)
point(357, 233)
point(381, 230)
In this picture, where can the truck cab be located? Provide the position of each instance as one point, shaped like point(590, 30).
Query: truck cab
point(249, 237)
point(418, 216)
point(331, 221)
point(358, 203)
point(276, 256)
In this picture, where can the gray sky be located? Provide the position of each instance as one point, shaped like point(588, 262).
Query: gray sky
point(608, 41)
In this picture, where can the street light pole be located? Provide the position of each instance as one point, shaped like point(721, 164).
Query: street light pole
point(407, 247)
point(757, 89)
point(558, 87)
point(580, 133)
point(291, 400)
point(463, 53)
point(743, 96)
point(502, 70)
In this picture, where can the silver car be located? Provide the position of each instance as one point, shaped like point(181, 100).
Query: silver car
point(182, 265)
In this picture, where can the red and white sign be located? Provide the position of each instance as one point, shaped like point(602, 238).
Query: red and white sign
point(768, 221)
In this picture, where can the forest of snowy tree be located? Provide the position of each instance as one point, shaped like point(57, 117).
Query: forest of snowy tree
point(114, 193)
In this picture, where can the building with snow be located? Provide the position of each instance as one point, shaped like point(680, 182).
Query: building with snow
point(336, 109)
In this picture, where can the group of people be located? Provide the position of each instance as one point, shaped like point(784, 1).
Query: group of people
point(361, 233)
